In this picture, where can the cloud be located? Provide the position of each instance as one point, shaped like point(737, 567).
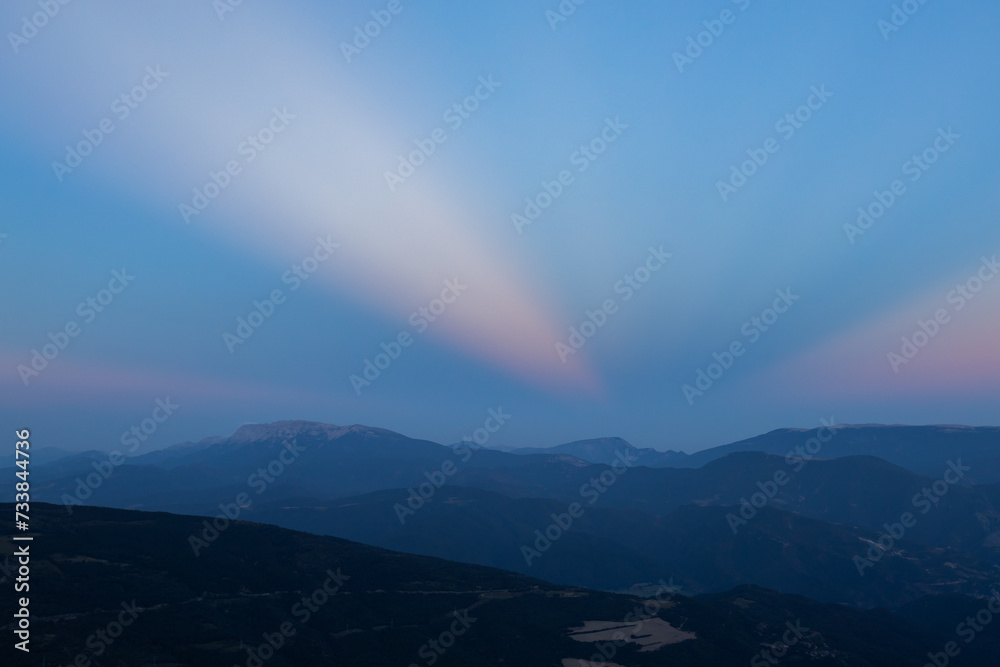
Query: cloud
point(322, 175)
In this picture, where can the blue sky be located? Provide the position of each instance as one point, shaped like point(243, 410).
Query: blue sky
point(200, 83)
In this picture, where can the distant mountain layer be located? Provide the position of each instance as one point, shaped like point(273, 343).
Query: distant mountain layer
point(859, 490)
point(121, 587)
point(922, 449)
point(622, 548)
point(606, 450)
point(41, 456)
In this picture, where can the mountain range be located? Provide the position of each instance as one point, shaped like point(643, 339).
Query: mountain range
point(859, 517)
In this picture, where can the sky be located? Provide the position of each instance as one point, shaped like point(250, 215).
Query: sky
point(682, 224)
